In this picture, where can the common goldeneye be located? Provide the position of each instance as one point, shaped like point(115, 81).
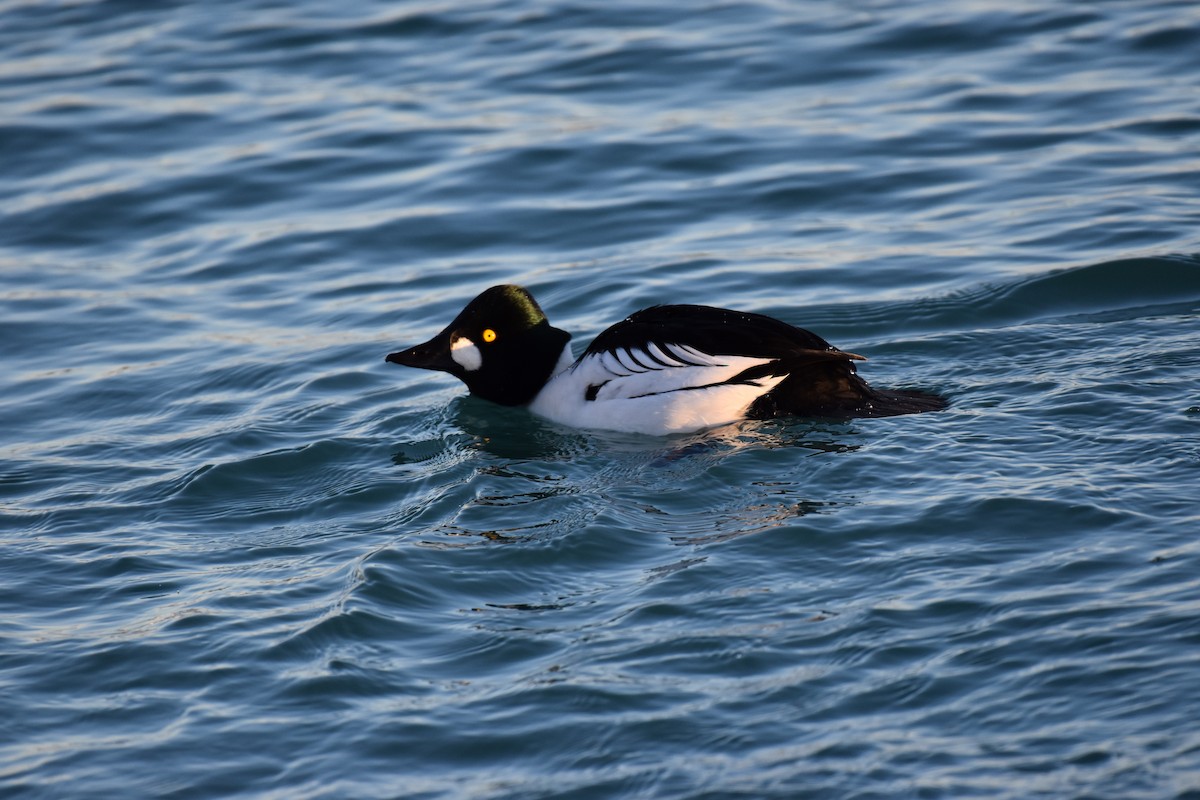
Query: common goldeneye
point(667, 369)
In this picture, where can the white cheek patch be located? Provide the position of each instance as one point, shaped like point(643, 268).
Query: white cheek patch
point(466, 354)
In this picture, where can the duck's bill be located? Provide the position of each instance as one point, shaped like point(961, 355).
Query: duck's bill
point(434, 354)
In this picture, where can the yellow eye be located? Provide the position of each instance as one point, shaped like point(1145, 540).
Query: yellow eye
point(489, 335)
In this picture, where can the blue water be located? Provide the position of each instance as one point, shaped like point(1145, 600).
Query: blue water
point(241, 556)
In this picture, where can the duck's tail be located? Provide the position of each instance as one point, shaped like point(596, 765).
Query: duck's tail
point(834, 389)
point(894, 402)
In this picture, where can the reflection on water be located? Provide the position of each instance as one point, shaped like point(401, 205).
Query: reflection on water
point(516, 479)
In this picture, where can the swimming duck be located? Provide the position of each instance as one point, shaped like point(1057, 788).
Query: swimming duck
point(665, 369)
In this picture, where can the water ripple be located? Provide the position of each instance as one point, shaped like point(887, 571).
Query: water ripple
point(243, 557)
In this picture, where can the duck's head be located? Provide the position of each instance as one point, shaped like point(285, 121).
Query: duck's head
point(501, 346)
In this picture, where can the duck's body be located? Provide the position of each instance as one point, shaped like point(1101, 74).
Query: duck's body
point(667, 369)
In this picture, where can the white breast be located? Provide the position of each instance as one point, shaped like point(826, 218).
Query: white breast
point(655, 390)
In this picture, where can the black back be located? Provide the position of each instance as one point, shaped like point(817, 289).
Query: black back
point(718, 331)
point(821, 380)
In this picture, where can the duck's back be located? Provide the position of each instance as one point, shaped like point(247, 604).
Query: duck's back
point(680, 367)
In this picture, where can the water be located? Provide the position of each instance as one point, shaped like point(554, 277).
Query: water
point(240, 556)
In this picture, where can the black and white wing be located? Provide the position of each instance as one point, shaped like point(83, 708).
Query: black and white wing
point(684, 347)
point(680, 368)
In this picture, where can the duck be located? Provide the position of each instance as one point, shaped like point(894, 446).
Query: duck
point(663, 370)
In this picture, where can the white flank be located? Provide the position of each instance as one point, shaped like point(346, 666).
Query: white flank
point(636, 393)
point(466, 354)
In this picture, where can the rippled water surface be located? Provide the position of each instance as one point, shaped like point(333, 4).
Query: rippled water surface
point(240, 556)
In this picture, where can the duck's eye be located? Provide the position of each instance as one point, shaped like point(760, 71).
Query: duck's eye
point(489, 335)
